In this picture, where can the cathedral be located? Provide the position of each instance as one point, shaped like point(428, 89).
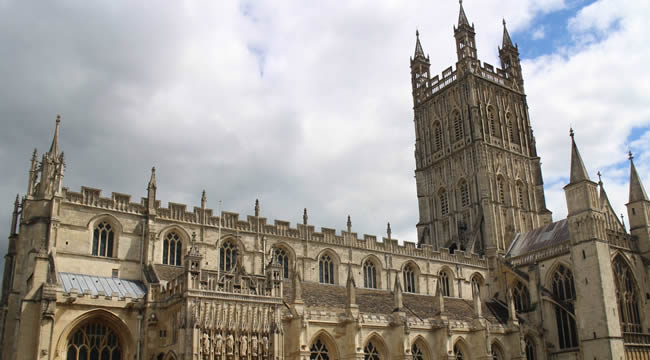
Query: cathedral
point(491, 275)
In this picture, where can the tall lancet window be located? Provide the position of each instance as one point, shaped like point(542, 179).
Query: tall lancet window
point(103, 240)
point(281, 257)
point(409, 279)
point(463, 188)
point(369, 275)
point(172, 249)
point(445, 286)
point(228, 256)
point(521, 297)
point(326, 269)
point(444, 202)
point(458, 126)
point(437, 136)
point(564, 291)
point(370, 352)
point(627, 297)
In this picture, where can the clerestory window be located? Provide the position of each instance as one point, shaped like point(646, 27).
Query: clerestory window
point(103, 240)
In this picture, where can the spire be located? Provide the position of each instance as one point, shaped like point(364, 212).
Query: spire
point(578, 171)
point(152, 180)
point(462, 18)
point(54, 148)
point(304, 217)
point(418, 47)
point(351, 287)
point(637, 192)
point(506, 36)
point(257, 207)
point(397, 293)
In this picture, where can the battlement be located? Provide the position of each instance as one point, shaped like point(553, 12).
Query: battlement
point(119, 202)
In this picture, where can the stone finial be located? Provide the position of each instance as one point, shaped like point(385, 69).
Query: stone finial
point(297, 286)
point(304, 217)
point(397, 294)
point(388, 231)
point(349, 223)
point(54, 148)
point(476, 297)
point(512, 312)
point(257, 207)
point(152, 179)
point(623, 220)
point(204, 200)
point(600, 180)
point(439, 298)
point(351, 287)
point(14, 217)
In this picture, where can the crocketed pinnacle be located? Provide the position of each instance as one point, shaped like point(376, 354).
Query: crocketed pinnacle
point(419, 53)
point(54, 148)
point(462, 18)
point(506, 37)
point(578, 171)
point(637, 192)
point(152, 180)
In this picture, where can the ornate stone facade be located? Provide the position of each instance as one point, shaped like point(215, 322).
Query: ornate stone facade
point(491, 276)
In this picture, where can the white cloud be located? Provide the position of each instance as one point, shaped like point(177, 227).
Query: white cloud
point(538, 33)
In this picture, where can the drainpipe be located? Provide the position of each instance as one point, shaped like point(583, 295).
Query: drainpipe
point(138, 350)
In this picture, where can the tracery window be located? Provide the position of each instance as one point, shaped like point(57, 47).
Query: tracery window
point(281, 257)
point(318, 351)
point(531, 353)
point(513, 129)
point(521, 297)
point(416, 352)
point(564, 291)
point(437, 135)
point(409, 279)
point(493, 122)
point(520, 195)
point(94, 341)
point(501, 190)
point(458, 126)
point(228, 256)
point(627, 297)
point(326, 269)
point(444, 202)
point(172, 249)
point(370, 352)
point(369, 275)
point(103, 240)
point(444, 283)
point(464, 193)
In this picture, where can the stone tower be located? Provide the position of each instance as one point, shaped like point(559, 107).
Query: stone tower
point(478, 176)
point(597, 319)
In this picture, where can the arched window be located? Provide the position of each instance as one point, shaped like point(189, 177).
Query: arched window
point(513, 129)
point(458, 352)
point(627, 297)
point(103, 240)
point(228, 256)
point(493, 122)
point(318, 351)
point(409, 279)
point(437, 136)
point(564, 291)
point(521, 195)
point(458, 126)
point(94, 340)
point(531, 353)
point(326, 269)
point(496, 352)
point(280, 256)
point(444, 202)
point(172, 249)
point(369, 275)
point(417, 352)
point(445, 286)
point(370, 352)
point(476, 285)
point(521, 297)
point(463, 189)
point(501, 193)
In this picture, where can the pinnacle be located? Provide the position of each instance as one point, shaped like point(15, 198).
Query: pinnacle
point(462, 18)
point(637, 192)
point(418, 47)
point(507, 41)
point(578, 171)
point(54, 148)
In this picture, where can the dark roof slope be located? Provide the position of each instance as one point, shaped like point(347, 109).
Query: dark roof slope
point(542, 237)
point(167, 272)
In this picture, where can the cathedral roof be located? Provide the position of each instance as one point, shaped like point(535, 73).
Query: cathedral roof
point(100, 285)
point(540, 238)
point(381, 302)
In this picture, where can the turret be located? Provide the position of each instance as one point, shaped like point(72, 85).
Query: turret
point(638, 208)
point(465, 37)
point(151, 193)
point(509, 55)
point(420, 69)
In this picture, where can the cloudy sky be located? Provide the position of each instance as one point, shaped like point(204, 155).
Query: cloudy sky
point(301, 103)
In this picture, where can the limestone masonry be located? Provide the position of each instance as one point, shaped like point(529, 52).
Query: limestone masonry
point(90, 276)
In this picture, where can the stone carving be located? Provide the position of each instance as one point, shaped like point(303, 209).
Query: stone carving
point(205, 346)
point(218, 344)
point(254, 345)
point(243, 346)
point(230, 344)
point(265, 346)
